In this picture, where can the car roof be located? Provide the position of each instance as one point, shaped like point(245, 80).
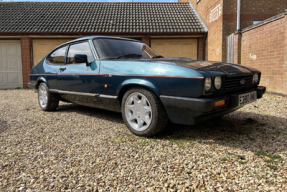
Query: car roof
point(96, 37)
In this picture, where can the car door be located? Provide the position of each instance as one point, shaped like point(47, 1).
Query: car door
point(76, 77)
point(51, 66)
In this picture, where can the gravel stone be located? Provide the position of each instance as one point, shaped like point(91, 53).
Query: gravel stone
point(79, 148)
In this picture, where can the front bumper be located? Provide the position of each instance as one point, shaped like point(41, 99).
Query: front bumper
point(189, 111)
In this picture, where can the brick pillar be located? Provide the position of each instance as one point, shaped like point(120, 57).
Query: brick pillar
point(237, 47)
point(26, 59)
point(200, 49)
point(146, 40)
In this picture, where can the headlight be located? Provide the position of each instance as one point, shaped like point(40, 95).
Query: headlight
point(207, 84)
point(217, 82)
point(255, 78)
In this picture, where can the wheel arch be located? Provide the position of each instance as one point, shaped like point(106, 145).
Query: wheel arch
point(126, 85)
point(39, 81)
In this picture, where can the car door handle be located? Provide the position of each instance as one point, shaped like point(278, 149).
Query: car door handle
point(62, 69)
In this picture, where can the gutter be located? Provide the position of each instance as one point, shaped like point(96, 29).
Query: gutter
point(238, 14)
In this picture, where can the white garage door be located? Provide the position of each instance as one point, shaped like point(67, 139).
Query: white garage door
point(10, 64)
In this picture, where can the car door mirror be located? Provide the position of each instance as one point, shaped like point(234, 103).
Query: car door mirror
point(81, 58)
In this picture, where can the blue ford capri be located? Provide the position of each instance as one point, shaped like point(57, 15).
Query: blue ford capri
point(127, 76)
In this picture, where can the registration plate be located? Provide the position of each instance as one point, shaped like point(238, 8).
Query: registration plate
point(247, 98)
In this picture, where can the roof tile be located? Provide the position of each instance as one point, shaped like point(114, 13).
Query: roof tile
point(57, 17)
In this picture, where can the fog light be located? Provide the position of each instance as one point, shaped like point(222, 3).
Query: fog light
point(219, 103)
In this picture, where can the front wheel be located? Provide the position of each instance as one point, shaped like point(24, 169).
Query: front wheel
point(143, 112)
point(47, 101)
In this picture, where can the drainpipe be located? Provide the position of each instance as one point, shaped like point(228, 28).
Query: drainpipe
point(238, 14)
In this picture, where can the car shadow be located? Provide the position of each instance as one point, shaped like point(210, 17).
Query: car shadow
point(89, 111)
point(3, 126)
point(242, 130)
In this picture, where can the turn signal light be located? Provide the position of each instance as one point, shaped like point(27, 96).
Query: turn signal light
point(219, 103)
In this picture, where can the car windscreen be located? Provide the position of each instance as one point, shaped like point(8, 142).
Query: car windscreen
point(118, 48)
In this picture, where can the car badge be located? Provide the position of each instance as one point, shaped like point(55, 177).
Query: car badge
point(242, 81)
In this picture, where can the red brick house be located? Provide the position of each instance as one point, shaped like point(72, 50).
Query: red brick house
point(30, 30)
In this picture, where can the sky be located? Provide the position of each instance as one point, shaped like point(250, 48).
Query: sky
point(99, 0)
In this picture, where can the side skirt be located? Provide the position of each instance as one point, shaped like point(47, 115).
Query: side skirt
point(108, 102)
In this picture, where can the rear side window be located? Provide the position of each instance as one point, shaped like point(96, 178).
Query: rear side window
point(79, 49)
point(58, 56)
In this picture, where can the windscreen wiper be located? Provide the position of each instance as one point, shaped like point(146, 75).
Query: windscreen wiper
point(157, 56)
point(130, 55)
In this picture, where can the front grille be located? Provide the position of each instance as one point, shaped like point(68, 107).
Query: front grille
point(234, 83)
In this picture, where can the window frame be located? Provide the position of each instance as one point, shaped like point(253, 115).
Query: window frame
point(96, 49)
point(56, 49)
point(77, 42)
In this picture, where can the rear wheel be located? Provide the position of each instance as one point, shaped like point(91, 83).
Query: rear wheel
point(47, 101)
point(143, 113)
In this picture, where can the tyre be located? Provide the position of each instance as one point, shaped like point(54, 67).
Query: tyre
point(47, 100)
point(143, 112)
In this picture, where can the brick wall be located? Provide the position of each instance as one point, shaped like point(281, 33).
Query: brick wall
point(26, 59)
point(264, 47)
point(251, 10)
point(146, 40)
point(214, 38)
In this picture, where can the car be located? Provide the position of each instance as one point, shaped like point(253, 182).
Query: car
point(127, 76)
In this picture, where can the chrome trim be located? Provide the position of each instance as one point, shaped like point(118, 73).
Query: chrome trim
point(72, 93)
point(53, 90)
point(108, 96)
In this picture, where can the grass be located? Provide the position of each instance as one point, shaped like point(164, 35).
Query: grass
point(271, 158)
point(273, 167)
point(223, 159)
point(230, 153)
point(243, 162)
point(142, 143)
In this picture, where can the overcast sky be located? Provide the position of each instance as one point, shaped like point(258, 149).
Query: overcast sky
point(101, 0)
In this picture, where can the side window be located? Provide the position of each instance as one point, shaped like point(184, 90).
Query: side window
point(58, 56)
point(79, 50)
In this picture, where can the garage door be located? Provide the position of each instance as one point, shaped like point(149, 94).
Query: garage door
point(10, 64)
point(175, 47)
point(41, 47)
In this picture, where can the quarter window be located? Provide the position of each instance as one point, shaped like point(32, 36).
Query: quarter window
point(57, 56)
point(79, 49)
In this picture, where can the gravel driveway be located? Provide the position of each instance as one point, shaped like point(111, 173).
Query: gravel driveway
point(79, 148)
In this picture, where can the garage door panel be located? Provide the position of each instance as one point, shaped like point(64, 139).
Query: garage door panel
point(1, 64)
point(11, 49)
point(41, 49)
point(1, 79)
point(175, 47)
point(10, 64)
point(14, 64)
point(14, 78)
